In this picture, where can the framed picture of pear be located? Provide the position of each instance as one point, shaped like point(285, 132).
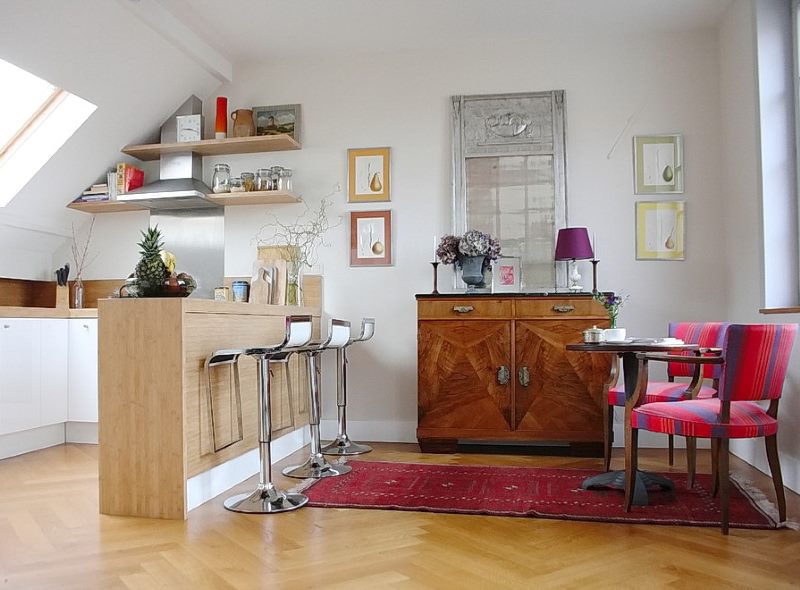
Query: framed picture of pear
point(658, 164)
point(368, 175)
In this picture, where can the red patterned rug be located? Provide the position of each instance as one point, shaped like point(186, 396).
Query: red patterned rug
point(525, 491)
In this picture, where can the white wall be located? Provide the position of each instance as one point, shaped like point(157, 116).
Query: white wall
point(662, 83)
point(744, 192)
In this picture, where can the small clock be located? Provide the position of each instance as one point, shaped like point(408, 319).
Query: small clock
point(190, 127)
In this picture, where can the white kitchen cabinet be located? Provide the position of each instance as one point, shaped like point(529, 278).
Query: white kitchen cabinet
point(20, 375)
point(82, 405)
point(54, 370)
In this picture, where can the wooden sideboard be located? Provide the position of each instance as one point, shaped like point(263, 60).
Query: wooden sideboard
point(154, 426)
point(495, 368)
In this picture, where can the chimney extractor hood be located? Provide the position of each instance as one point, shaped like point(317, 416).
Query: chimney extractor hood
point(180, 186)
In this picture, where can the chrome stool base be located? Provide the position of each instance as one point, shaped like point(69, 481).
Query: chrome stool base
point(266, 499)
point(342, 445)
point(316, 467)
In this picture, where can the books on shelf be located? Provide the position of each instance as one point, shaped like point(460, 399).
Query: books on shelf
point(129, 177)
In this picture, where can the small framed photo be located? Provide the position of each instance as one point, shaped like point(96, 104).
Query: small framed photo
point(658, 164)
point(506, 275)
point(368, 175)
point(660, 230)
point(370, 238)
point(274, 120)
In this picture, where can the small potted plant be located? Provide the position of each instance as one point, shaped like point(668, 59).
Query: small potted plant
point(472, 253)
point(612, 302)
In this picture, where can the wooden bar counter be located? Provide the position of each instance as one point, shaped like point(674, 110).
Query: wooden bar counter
point(154, 415)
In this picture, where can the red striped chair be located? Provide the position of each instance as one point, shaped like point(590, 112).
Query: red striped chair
point(754, 362)
point(707, 335)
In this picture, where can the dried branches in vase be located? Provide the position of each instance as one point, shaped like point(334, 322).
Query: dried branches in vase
point(298, 241)
point(80, 254)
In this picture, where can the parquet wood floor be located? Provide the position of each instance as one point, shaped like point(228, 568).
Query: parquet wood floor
point(51, 536)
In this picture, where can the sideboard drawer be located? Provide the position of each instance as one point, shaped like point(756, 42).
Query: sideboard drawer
point(542, 308)
point(464, 309)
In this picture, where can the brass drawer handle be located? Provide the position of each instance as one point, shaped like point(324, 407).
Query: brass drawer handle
point(503, 375)
point(563, 308)
point(463, 308)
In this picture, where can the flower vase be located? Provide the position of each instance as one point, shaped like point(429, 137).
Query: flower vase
point(472, 271)
point(77, 294)
point(294, 291)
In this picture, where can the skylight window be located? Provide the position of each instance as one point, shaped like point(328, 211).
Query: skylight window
point(36, 119)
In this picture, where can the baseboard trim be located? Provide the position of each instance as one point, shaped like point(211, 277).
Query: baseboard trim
point(376, 431)
point(26, 441)
point(81, 432)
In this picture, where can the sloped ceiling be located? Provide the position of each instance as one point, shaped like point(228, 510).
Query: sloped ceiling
point(101, 51)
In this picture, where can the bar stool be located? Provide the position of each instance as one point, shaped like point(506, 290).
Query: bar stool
point(317, 466)
point(229, 357)
point(266, 498)
point(342, 445)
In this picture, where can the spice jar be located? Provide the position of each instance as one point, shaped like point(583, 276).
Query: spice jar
point(237, 186)
point(263, 181)
point(248, 181)
point(221, 182)
point(285, 180)
point(275, 175)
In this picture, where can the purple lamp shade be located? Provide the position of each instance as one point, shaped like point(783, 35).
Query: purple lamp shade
point(573, 244)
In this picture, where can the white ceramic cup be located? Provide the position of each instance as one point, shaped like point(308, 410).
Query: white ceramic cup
point(614, 334)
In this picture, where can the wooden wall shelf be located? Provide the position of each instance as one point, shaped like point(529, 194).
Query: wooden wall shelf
point(215, 147)
point(254, 198)
point(106, 207)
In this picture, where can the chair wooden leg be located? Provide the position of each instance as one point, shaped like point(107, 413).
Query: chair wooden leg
point(714, 467)
point(691, 459)
point(608, 435)
point(775, 469)
point(631, 463)
point(724, 483)
point(671, 443)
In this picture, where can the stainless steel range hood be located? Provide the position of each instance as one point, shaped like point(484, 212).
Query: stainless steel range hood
point(180, 185)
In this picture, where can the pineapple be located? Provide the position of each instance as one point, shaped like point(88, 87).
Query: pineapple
point(151, 270)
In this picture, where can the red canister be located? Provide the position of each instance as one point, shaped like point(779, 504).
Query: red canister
point(221, 122)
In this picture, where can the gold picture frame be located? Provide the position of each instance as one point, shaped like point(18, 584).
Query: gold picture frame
point(368, 175)
point(660, 230)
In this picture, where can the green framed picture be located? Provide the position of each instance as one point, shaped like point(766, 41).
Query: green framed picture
point(660, 230)
point(658, 164)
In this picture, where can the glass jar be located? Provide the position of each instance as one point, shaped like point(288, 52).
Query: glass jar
point(237, 186)
point(221, 182)
point(249, 181)
point(275, 175)
point(263, 181)
point(285, 180)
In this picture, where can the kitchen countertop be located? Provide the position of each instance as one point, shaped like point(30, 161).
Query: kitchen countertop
point(46, 312)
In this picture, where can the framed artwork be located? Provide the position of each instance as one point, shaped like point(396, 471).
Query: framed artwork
point(658, 164)
point(274, 120)
point(660, 230)
point(506, 275)
point(368, 175)
point(370, 238)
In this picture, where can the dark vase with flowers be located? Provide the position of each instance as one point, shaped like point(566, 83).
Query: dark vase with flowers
point(472, 253)
point(472, 271)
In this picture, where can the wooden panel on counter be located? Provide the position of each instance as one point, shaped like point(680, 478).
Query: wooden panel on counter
point(26, 293)
point(154, 425)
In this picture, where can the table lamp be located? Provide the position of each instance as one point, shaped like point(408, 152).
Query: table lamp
point(573, 244)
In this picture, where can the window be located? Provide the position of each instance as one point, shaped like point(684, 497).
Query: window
point(509, 163)
point(36, 119)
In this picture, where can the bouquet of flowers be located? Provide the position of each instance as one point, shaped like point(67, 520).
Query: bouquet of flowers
point(452, 249)
point(612, 303)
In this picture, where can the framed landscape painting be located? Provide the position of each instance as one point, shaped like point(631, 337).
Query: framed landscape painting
point(274, 120)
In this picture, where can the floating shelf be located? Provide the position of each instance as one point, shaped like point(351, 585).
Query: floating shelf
point(215, 147)
point(105, 207)
point(254, 198)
